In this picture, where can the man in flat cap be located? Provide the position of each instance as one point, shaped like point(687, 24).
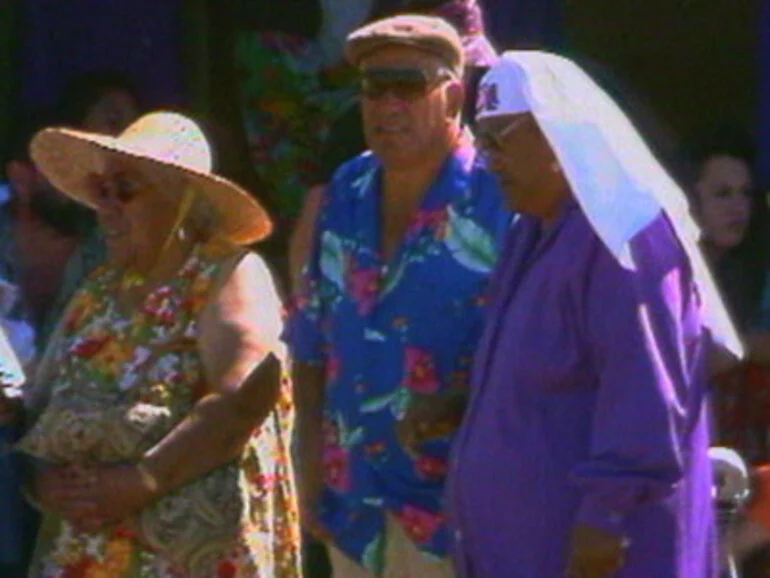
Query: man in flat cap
point(390, 308)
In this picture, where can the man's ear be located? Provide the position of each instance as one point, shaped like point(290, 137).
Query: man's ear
point(21, 177)
point(455, 99)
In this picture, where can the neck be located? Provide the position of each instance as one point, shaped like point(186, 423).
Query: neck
point(554, 209)
point(158, 263)
point(410, 182)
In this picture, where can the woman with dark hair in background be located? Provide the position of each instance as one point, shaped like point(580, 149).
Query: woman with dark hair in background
point(733, 219)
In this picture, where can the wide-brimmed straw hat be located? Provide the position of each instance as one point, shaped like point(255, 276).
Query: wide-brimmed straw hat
point(161, 144)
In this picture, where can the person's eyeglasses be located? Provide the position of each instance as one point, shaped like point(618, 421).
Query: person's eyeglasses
point(407, 84)
point(118, 187)
point(493, 140)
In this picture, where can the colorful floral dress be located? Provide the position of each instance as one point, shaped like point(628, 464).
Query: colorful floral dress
point(121, 381)
point(387, 331)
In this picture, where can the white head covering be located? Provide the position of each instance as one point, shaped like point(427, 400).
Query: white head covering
point(614, 176)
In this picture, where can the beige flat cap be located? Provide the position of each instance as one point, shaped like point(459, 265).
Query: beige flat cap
point(427, 33)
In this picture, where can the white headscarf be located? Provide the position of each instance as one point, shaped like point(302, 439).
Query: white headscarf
point(615, 178)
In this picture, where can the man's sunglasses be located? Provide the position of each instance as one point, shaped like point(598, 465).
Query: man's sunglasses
point(493, 140)
point(406, 84)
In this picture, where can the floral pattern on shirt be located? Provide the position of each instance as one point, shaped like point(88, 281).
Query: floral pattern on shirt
point(387, 331)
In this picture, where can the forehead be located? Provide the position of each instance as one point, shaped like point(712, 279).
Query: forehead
point(723, 169)
point(396, 55)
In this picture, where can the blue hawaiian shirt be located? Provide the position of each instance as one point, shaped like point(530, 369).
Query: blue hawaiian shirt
point(387, 330)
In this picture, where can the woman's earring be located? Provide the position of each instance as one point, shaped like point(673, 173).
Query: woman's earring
point(555, 167)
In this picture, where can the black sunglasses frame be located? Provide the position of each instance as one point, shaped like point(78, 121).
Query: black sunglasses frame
point(409, 83)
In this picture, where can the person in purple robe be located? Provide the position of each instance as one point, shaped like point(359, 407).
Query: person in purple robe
point(583, 452)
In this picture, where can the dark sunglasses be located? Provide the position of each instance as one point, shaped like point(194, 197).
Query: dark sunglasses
point(118, 187)
point(493, 141)
point(406, 84)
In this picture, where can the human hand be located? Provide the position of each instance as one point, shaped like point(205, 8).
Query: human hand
point(429, 417)
point(97, 496)
point(53, 490)
point(595, 553)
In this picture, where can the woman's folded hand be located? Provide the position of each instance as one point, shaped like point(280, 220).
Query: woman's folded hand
point(94, 497)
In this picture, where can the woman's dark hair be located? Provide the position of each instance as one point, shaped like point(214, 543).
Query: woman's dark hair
point(723, 140)
point(740, 274)
point(84, 90)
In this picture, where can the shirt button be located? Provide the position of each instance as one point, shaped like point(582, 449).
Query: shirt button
point(458, 536)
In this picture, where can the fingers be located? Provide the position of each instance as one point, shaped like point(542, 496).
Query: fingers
point(88, 498)
point(69, 491)
point(89, 524)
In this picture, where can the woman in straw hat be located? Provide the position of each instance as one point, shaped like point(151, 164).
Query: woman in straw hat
point(160, 416)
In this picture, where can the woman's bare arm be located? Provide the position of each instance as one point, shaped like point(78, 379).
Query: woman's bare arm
point(240, 349)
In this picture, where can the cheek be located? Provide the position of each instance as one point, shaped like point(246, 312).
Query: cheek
point(711, 217)
point(715, 218)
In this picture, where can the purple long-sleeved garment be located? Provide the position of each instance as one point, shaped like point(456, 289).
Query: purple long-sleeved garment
point(589, 405)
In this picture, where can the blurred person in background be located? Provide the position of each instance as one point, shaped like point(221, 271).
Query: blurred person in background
point(48, 245)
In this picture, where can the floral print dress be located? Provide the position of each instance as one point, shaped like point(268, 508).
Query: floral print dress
point(121, 381)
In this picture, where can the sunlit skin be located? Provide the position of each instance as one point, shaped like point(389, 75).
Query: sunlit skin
point(526, 166)
point(404, 134)
point(134, 216)
point(723, 203)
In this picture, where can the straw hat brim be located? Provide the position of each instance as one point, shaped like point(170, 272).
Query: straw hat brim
point(68, 157)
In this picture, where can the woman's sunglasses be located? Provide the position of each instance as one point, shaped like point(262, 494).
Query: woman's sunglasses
point(407, 84)
point(119, 187)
